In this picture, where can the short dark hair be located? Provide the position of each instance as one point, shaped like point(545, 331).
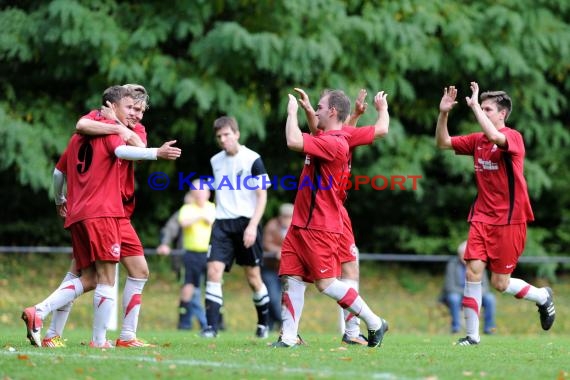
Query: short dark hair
point(226, 121)
point(114, 94)
point(339, 101)
point(501, 99)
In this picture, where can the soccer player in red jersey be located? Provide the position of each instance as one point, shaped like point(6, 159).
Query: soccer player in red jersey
point(310, 249)
point(122, 100)
point(499, 215)
point(348, 251)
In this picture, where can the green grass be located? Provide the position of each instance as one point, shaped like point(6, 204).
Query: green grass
point(240, 356)
point(418, 345)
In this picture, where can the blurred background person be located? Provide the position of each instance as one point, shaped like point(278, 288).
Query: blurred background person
point(452, 293)
point(273, 235)
point(191, 226)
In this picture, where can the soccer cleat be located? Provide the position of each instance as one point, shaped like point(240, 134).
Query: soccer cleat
point(133, 343)
point(33, 325)
point(209, 332)
point(375, 337)
point(107, 344)
point(262, 332)
point(281, 344)
point(547, 312)
point(359, 340)
point(467, 341)
point(300, 341)
point(53, 342)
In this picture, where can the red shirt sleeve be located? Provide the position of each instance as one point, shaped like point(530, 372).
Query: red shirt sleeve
point(515, 143)
point(322, 146)
point(61, 163)
point(465, 144)
point(359, 136)
point(140, 130)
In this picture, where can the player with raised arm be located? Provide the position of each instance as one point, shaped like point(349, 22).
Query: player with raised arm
point(310, 250)
point(348, 251)
point(499, 215)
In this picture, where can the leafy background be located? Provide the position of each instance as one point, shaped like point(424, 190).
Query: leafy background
point(202, 59)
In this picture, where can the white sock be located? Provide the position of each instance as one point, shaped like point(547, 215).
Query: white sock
point(132, 297)
point(262, 297)
point(348, 298)
point(67, 292)
point(471, 306)
point(292, 302)
point(521, 289)
point(351, 321)
point(103, 304)
point(59, 316)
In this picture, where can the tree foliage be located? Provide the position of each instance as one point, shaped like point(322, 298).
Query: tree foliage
point(202, 59)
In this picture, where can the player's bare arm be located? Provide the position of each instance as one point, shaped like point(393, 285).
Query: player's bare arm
point(383, 121)
point(308, 108)
point(448, 101)
point(250, 232)
point(489, 129)
point(360, 107)
point(292, 132)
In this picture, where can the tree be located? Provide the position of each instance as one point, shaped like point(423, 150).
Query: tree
point(202, 59)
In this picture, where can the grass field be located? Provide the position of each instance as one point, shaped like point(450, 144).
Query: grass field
point(418, 345)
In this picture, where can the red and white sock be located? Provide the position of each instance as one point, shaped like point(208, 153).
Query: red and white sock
point(67, 292)
point(292, 302)
point(132, 297)
point(522, 289)
point(471, 306)
point(348, 298)
point(60, 315)
point(351, 321)
point(103, 305)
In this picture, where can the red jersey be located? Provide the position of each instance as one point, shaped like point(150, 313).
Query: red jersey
point(127, 167)
point(319, 194)
point(93, 177)
point(502, 191)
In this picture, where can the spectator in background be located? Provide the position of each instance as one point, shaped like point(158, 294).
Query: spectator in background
point(189, 272)
point(452, 293)
point(273, 235)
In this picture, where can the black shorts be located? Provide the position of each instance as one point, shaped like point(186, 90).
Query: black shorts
point(194, 267)
point(226, 244)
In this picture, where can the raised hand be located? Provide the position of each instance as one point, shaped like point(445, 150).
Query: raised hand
point(292, 106)
point(304, 99)
point(380, 101)
point(448, 100)
point(360, 104)
point(474, 99)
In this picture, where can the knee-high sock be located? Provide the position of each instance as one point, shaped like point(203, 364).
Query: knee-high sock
point(471, 306)
point(103, 304)
point(214, 302)
point(66, 293)
point(348, 298)
point(351, 321)
point(522, 289)
point(261, 302)
point(132, 298)
point(292, 301)
point(60, 315)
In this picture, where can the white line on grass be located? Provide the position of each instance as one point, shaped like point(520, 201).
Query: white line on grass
point(195, 363)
